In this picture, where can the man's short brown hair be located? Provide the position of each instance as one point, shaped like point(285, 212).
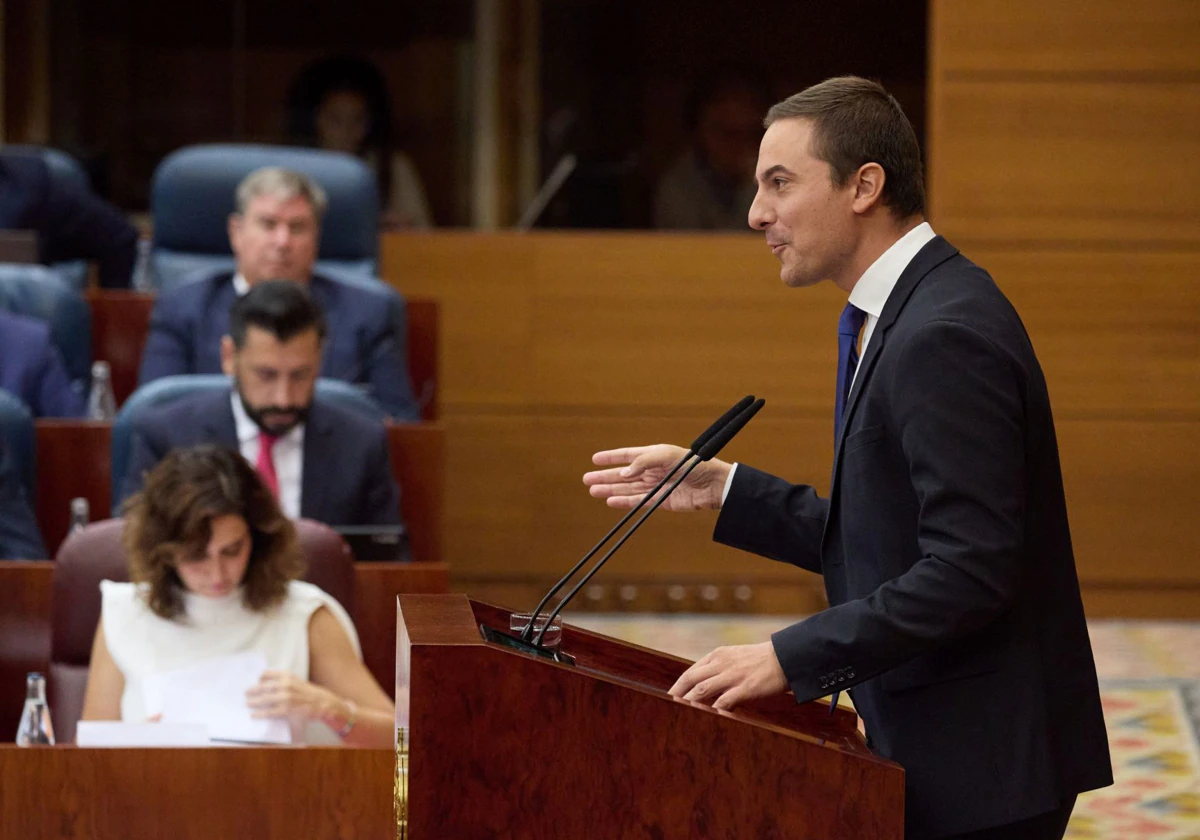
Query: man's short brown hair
point(856, 121)
point(170, 521)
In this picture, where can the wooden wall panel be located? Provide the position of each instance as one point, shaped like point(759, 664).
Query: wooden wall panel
point(1039, 160)
point(1118, 333)
point(594, 360)
point(621, 320)
point(1132, 499)
point(1056, 137)
point(993, 37)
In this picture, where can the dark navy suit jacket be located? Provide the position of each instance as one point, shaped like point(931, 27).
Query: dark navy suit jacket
point(32, 369)
point(346, 478)
point(19, 536)
point(955, 611)
point(71, 224)
point(361, 345)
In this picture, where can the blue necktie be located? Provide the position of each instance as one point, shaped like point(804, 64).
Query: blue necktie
point(849, 326)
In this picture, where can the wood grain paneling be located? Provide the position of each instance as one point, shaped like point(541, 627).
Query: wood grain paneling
point(592, 341)
point(567, 320)
point(1131, 499)
point(1118, 334)
point(1092, 162)
point(1115, 37)
point(139, 794)
point(1056, 137)
point(767, 769)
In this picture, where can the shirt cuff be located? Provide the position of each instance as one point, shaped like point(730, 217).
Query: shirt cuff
point(728, 483)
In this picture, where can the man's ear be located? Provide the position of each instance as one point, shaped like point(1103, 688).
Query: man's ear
point(868, 187)
point(228, 350)
point(233, 226)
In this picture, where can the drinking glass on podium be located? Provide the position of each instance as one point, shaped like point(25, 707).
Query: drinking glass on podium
point(518, 622)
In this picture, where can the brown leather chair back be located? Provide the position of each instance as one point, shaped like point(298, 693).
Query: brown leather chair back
point(95, 554)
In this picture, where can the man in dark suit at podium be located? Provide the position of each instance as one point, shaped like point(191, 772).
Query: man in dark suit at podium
point(955, 616)
point(322, 461)
point(274, 235)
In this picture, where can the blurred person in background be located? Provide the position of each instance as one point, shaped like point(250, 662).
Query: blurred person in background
point(275, 233)
point(324, 461)
point(711, 185)
point(70, 223)
point(19, 535)
point(215, 568)
point(32, 368)
point(341, 104)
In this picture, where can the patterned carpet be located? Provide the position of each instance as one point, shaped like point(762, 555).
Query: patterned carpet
point(1150, 682)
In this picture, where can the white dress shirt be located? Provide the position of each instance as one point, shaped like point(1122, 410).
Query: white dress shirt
point(240, 284)
point(288, 454)
point(872, 290)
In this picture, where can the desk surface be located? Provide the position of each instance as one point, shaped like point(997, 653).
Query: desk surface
point(259, 792)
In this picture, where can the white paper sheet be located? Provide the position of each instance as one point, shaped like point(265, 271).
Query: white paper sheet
point(213, 693)
point(115, 733)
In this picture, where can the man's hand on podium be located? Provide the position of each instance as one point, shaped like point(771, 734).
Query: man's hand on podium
point(729, 676)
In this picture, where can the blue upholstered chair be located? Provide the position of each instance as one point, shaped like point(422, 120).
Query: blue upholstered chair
point(38, 292)
point(170, 388)
point(16, 427)
point(192, 195)
point(70, 173)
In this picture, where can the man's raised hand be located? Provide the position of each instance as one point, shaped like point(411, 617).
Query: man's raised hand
point(634, 471)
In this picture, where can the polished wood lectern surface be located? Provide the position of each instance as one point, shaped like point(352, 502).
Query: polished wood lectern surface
point(534, 748)
point(253, 792)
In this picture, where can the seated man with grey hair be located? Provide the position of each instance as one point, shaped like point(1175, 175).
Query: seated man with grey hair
point(274, 233)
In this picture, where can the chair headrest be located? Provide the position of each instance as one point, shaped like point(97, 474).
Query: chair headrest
point(64, 169)
point(192, 195)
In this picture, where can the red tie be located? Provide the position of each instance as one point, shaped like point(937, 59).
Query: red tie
point(266, 463)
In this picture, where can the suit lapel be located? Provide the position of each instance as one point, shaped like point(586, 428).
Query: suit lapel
point(218, 422)
point(319, 467)
point(323, 294)
point(937, 251)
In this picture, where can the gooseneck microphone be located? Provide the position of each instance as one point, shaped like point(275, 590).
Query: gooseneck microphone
point(705, 452)
point(707, 435)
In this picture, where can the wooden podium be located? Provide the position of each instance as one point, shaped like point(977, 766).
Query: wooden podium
point(499, 742)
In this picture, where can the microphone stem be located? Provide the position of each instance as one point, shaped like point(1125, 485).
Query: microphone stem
point(566, 598)
point(528, 631)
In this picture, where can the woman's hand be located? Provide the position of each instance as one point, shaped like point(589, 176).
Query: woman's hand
point(280, 694)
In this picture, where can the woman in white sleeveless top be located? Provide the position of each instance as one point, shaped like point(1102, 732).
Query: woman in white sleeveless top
point(214, 565)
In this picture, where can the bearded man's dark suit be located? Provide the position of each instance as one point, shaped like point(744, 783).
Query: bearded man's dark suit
point(346, 477)
point(955, 611)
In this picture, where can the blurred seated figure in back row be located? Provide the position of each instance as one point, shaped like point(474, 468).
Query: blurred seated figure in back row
point(711, 185)
point(274, 234)
point(323, 461)
point(215, 569)
point(70, 223)
point(19, 535)
point(341, 104)
point(32, 368)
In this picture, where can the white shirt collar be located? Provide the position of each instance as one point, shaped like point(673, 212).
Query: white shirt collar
point(871, 291)
point(240, 286)
point(248, 430)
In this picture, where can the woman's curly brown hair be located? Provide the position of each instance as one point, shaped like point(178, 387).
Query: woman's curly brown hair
point(172, 519)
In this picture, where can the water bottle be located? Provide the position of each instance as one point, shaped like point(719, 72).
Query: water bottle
point(102, 405)
point(35, 728)
point(80, 514)
point(143, 270)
